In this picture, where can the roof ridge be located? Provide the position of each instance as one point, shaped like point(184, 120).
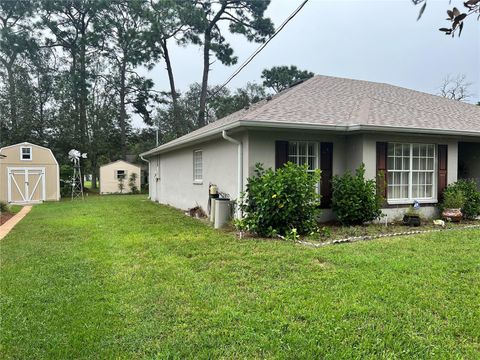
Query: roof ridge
point(407, 106)
point(436, 96)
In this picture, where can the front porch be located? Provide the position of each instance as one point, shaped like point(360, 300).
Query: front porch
point(469, 161)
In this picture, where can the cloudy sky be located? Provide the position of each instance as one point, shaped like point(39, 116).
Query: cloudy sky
point(360, 39)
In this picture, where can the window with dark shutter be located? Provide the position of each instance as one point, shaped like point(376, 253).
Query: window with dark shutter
point(382, 150)
point(281, 153)
point(326, 165)
point(442, 169)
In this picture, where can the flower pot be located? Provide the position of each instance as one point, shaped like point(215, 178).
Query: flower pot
point(412, 220)
point(454, 215)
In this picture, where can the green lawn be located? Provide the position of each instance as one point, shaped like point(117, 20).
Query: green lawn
point(121, 277)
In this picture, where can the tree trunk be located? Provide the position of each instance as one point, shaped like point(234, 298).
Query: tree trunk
point(12, 99)
point(173, 91)
point(83, 98)
point(94, 171)
point(123, 112)
point(206, 68)
point(171, 79)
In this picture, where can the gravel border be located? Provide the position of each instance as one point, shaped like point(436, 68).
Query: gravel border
point(373, 237)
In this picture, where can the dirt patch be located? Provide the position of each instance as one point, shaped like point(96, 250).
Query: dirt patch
point(4, 217)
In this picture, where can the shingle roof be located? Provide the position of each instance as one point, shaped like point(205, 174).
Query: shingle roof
point(345, 103)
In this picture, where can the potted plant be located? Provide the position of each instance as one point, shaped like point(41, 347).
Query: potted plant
point(453, 202)
point(412, 215)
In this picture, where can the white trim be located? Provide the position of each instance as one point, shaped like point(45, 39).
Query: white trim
point(411, 199)
point(194, 153)
point(189, 138)
point(26, 195)
point(58, 183)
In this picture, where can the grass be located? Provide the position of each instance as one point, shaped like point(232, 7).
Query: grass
point(15, 208)
point(121, 277)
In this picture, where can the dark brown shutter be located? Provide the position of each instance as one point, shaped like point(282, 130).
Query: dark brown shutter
point(326, 165)
point(442, 169)
point(281, 153)
point(382, 152)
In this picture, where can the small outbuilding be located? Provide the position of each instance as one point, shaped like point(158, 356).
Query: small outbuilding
point(29, 173)
point(111, 176)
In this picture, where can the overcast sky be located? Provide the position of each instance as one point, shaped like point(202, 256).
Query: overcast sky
point(359, 39)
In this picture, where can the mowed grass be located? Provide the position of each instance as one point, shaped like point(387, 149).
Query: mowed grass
point(121, 277)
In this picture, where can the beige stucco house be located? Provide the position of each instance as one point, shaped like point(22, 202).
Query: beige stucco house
point(112, 172)
point(29, 173)
point(421, 143)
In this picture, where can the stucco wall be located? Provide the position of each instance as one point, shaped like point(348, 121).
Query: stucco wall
point(175, 186)
point(41, 157)
point(109, 181)
point(262, 146)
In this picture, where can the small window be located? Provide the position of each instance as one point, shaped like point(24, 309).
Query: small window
point(26, 153)
point(197, 166)
point(121, 174)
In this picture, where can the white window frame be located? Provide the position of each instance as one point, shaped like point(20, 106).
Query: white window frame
point(124, 174)
point(410, 199)
point(21, 153)
point(197, 180)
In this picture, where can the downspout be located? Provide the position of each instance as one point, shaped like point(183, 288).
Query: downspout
point(148, 162)
point(239, 168)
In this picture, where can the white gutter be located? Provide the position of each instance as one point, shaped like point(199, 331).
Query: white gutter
point(306, 126)
point(239, 169)
point(148, 162)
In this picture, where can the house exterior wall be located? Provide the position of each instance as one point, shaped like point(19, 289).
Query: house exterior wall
point(262, 146)
point(395, 212)
point(41, 158)
point(109, 181)
point(262, 150)
point(171, 173)
point(369, 150)
point(350, 151)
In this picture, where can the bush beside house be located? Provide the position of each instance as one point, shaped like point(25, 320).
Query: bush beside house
point(355, 200)
point(281, 202)
point(465, 193)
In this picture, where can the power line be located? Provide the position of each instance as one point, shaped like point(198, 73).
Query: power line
point(260, 48)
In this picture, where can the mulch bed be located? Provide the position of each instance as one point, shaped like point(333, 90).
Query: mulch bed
point(4, 217)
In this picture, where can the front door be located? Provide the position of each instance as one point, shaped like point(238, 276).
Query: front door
point(26, 185)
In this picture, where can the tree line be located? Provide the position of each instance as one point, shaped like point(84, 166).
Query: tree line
point(69, 71)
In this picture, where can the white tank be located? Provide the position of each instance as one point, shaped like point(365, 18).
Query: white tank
point(222, 212)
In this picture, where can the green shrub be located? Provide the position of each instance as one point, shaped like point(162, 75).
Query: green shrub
point(283, 202)
point(121, 184)
point(453, 198)
point(355, 200)
point(470, 198)
point(4, 207)
point(132, 183)
point(66, 174)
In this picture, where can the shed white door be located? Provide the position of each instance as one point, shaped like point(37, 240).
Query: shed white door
point(26, 185)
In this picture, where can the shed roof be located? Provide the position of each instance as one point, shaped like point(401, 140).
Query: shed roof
point(332, 103)
point(121, 161)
